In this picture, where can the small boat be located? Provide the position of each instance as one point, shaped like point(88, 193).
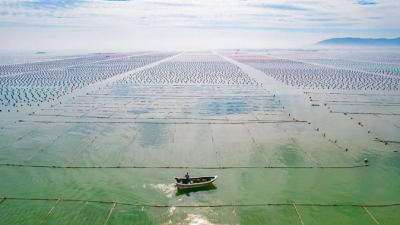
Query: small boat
point(195, 182)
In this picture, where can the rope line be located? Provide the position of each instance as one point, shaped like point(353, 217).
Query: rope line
point(223, 121)
point(371, 113)
point(297, 144)
point(131, 144)
point(380, 140)
point(215, 147)
point(90, 95)
point(344, 149)
point(387, 121)
point(1, 148)
point(257, 146)
point(338, 93)
point(43, 148)
point(76, 156)
point(185, 167)
point(208, 205)
point(172, 149)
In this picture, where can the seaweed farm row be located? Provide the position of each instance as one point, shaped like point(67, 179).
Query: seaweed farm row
point(314, 74)
point(195, 68)
point(29, 83)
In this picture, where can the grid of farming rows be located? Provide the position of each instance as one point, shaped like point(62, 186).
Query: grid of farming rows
point(48, 81)
point(53, 64)
point(197, 102)
point(155, 126)
point(384, 57)
point(378, 115)
point(310, 76)
point(170, 145)
point(75, 211)
point(374, 67)
point(192, 68)
point(386, 64)
point(14, 59)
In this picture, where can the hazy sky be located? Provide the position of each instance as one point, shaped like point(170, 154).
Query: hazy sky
point(114, 25)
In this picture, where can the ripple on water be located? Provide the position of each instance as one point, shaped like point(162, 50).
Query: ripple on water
point(193, 219)
point(168, 189)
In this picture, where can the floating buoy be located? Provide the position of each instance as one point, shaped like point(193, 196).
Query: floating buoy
point(366, 160)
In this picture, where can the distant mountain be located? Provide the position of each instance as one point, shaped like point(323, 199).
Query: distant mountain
point(361, 42)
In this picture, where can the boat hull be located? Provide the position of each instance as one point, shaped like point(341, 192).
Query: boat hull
point(210, 180)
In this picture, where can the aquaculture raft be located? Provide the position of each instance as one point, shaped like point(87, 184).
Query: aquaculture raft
point(195, 182)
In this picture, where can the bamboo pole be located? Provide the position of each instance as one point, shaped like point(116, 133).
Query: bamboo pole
point(370, 215)
point(258, 147)
point(111, 211)
point(58, 200)
point(298, 214)
point(234, 213)
point(295, 142)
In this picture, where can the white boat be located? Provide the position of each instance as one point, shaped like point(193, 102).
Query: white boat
point(194, 182)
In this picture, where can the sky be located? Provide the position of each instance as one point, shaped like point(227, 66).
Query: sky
point(129, 25)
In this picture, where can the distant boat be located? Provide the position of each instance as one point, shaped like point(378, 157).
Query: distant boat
point(195, 182)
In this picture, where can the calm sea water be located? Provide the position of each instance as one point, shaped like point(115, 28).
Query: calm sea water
point(268, 145)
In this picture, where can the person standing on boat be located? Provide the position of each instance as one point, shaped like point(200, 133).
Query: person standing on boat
point(187, 178)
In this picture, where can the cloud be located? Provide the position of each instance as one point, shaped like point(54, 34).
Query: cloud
point(155, 18)
point(43, 4)
point(366, 3)
point(174, 4)
point(279, 7)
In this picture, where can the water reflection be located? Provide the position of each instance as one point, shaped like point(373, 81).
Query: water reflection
point(194, 190)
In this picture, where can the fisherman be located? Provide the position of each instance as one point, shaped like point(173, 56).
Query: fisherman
point(187, 178)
